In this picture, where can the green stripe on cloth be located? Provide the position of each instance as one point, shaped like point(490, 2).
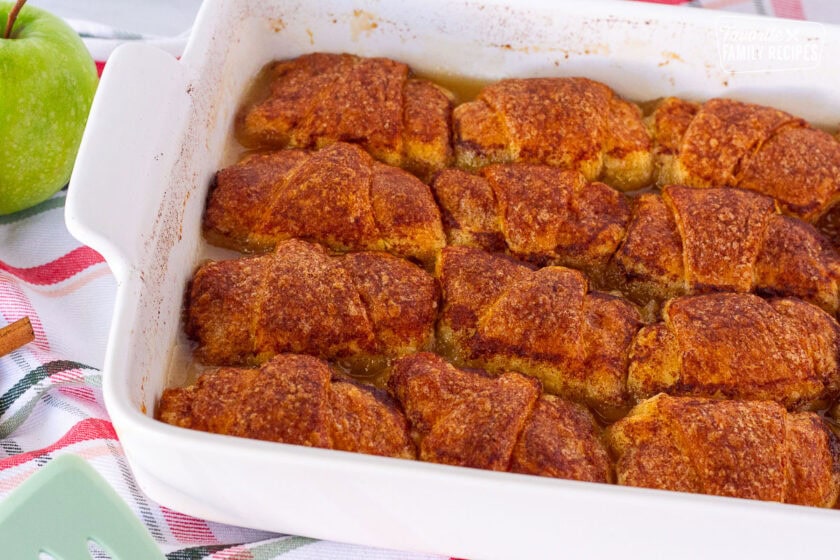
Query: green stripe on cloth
point(275, 548)
point(260, 551)
point(33, 378)
point(19, 417)
point(197, 552)
point(49, 204)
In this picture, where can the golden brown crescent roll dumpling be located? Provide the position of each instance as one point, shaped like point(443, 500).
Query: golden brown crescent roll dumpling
point(462, 418)
point(561, 439)
point(291, 399)
point(338, 196)
point(738, 346)
point(721, 239)
point(355, 308)
point(727, 143)
point(317, 99)
point(503, 316)
point(743, 449)
point(574, 123)
point(470, 418)
point(538, 213)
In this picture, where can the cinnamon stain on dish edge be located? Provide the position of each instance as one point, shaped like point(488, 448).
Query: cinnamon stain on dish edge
point(585, 50)
point(277, 25)
point(668, 57)
point(362, 22)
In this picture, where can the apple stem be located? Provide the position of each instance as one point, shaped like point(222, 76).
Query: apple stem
point(12, 17)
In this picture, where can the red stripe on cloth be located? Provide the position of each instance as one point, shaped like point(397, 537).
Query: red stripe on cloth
point(188, 530)
point(84, 430)
point(84, 394)
point(62, 268)
point(100, 66)
point(238, 552)
point(791, 9)
point(66, 376)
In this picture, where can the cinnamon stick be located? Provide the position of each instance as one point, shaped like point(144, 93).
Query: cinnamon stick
point(16, 335)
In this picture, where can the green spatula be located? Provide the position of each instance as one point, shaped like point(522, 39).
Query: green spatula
point(62, 507)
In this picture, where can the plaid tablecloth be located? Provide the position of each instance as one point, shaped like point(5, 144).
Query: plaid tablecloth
point(50, 397)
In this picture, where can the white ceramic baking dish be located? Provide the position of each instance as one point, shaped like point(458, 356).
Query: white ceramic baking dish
point(158, 131)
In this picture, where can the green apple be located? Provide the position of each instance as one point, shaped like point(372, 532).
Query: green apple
point(47, 82)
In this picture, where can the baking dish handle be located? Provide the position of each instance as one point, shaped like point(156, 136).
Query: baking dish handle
point(129, 146)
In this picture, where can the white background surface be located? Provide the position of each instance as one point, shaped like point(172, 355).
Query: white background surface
point(163, 18)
